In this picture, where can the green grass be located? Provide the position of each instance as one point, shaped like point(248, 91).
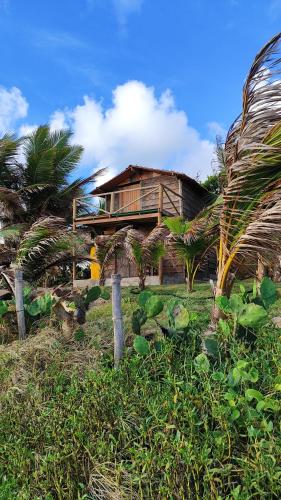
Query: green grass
point(154, 429)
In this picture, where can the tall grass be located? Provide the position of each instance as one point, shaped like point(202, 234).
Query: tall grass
point(155, 429)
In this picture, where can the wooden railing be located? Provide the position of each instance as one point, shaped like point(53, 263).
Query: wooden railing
point(136, 200)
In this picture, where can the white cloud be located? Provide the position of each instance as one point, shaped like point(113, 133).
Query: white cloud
point(13, 106)
point(58, 121)
point(26, 129)
point(216, 129)
point(138, 128)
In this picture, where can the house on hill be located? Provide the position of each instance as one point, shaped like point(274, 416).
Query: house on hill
point(141, 197)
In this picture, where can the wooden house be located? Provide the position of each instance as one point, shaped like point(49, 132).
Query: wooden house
point(141, 197)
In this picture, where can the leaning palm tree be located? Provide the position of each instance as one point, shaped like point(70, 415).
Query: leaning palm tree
point(250, 223)
point(47, 243)
point(145, 251)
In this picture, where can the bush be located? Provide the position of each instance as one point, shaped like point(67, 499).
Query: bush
point(167, 425)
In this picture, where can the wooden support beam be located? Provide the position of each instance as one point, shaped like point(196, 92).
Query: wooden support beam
point(110, 220)
point(174, 192)
point(137, 199)
point(181, 197)
point(171, 201)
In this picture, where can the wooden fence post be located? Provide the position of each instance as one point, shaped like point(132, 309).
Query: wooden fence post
point(19, 303)
point(117, 319)
point(160, 211)
point(74, 212)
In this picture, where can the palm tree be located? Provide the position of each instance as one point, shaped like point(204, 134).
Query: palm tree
point(46, 243)
point(144, 250)
point(38, 189)
point(106, 247)
point(10, 169)
point(250, 222)
point(192, 241)
point(42, 179)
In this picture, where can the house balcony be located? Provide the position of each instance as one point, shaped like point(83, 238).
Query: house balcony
point(127, 205)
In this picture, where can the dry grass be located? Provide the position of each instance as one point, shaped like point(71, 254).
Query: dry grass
point(105, 485)
point(20, 361)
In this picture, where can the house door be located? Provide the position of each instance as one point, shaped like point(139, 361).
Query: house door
point(129, 200)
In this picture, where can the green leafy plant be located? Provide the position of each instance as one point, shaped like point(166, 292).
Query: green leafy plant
point(201, 363)
point(3, 308)
point(248, 310)
point(176, 316)
point(153, 306)
point(141, 345)
point(139, 318)
point(93, 294)
point(41, 306)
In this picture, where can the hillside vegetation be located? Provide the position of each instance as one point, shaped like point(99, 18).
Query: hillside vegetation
point(171, 424)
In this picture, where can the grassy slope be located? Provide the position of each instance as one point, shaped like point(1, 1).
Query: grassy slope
point(71, 427)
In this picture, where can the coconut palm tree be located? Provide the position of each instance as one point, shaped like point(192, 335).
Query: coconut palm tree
point(106, 247)
point(10, 168)
point(145, 250)
point(38, 189)
point(250, 223)
point(42, 179)
point(46, 243)
point(192, 241)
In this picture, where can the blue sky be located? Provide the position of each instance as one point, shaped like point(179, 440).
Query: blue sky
point(139, 81)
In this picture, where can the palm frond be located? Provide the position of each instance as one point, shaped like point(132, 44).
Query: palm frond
point(250, 220)
point(12, 232)
point(152, 245)
point(106, 247)
point(11, 204)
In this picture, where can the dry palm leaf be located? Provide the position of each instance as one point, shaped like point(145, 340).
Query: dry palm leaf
point(251, 213)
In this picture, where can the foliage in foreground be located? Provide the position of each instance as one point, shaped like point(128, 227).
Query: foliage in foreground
point(251, 213)
point(168, 425)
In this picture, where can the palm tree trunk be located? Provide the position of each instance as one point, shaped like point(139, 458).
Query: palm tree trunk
point(189, 283)
point(102, 278)
point(223, 287)
point(142, 278)
point(189, 275)
point(262, 269)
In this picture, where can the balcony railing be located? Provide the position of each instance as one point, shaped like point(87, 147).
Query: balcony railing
point(124, 203)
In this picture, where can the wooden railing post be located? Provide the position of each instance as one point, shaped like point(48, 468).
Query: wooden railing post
point(117, 319)
point(74, 210)
point(111, 210)
point(19, 303)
